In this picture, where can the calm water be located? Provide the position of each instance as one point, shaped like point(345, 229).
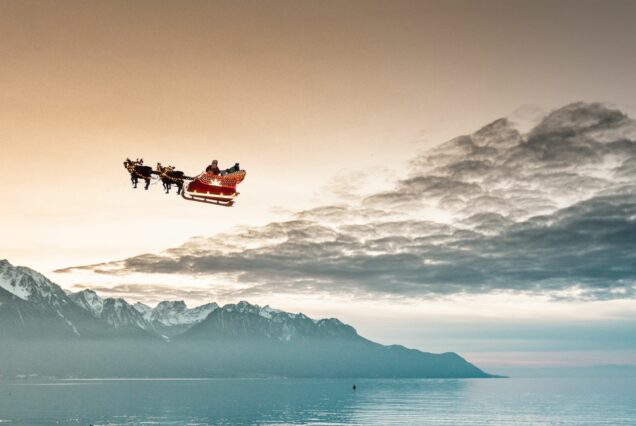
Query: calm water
point(570, 401)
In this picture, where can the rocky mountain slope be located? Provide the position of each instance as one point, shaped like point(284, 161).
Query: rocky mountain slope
point(44, 330)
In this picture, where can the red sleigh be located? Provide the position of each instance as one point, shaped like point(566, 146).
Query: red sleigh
point(214, 189)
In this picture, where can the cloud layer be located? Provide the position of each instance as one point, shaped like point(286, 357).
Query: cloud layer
point(551, 211)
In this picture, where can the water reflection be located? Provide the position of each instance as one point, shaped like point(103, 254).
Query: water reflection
point(319, 402)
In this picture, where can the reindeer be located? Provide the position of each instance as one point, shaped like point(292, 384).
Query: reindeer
point(168, 176)
point(138, 170)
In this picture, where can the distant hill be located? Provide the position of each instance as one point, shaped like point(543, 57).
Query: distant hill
point(45, 331)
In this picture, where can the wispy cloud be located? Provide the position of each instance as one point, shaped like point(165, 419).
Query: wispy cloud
point(150, 293)
point(551, 211)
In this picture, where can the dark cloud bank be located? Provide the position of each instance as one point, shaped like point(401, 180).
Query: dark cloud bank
point(551, 211)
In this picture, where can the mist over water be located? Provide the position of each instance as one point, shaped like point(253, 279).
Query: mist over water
point(563, 401)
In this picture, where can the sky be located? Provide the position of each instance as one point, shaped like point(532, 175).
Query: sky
point(512, 245)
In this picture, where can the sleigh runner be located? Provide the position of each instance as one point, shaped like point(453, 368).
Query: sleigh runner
point(213, 188)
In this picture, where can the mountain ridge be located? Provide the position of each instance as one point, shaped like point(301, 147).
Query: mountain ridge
point(82, 334)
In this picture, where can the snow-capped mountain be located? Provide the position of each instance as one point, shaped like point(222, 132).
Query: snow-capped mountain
point(115, 311)
point(120, 313)
point(177, 313)
point(31, 286)
point(244, 320)
point(88, 300)
point(37, 307)
point(141, 308)
point(44, 330)
point(170, 318)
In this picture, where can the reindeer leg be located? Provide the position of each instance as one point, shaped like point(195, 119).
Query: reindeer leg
point(147, 183)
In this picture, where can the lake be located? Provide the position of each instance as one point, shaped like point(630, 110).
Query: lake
point(514, 401)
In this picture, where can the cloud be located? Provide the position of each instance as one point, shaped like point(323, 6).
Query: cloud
point(150, 293)
point(551, 211)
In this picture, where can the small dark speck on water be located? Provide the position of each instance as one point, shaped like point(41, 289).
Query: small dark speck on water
point(354, 387)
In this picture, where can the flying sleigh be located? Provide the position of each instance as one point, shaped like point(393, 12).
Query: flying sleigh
point(214, 186)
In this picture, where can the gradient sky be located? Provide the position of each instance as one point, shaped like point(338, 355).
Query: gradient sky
point(325, 104)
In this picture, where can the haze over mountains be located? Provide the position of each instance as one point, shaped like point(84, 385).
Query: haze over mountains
point(526, 222)
point(166, 319)
point(45, 331)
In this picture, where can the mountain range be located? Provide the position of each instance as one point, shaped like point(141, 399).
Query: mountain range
point(45, 330)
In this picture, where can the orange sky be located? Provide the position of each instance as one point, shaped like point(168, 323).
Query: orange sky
point(296, 91)
point(305, 95)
